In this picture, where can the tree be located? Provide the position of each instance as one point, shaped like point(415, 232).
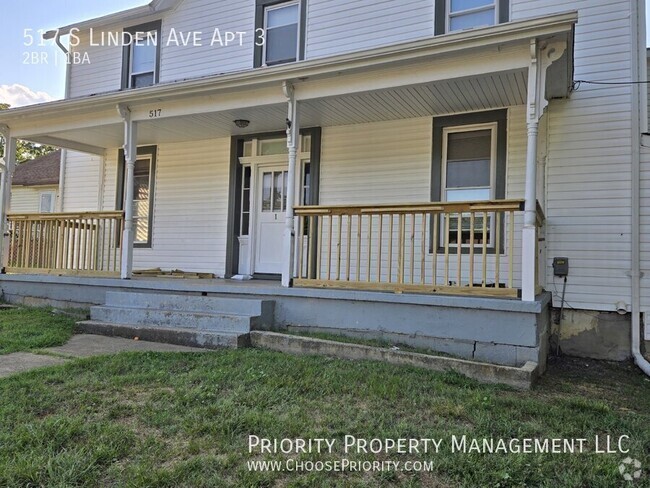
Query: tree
point(25, 150)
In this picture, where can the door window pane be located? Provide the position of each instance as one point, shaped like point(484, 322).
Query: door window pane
point(272, 147)
point(267, 180)
point(278, 187)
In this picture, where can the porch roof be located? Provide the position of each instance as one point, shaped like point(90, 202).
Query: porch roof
point(458, 72)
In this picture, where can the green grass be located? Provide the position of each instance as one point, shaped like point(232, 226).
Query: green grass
point(183, 420)
point(25, 329)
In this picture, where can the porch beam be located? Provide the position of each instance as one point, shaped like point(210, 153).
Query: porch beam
point(10, 144)
point(293, 134)
point(75, 146)
point(130, 156)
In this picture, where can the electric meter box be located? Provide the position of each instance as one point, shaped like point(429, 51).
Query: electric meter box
point(561, 267)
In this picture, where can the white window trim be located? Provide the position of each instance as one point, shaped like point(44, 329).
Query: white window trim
point(493, 126)
point(449, 14)
point(298, 36)
point(132, 73)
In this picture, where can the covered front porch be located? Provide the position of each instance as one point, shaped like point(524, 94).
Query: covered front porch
point(335, 214)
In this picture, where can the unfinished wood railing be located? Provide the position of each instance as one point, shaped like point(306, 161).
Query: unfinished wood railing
point(65, 243)
point(455, 248)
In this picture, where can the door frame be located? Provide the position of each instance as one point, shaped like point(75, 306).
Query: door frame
point(235, 189)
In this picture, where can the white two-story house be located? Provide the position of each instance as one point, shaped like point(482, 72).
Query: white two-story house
point(362, 156)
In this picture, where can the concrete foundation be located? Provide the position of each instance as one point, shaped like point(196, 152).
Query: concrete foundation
point(500, 331)
point(595, 335)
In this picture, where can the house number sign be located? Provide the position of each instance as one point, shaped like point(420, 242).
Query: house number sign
point(155, 113)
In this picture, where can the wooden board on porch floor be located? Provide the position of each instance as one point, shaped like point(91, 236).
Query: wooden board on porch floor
point(176, 273)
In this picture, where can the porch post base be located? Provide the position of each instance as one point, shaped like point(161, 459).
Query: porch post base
point(528, 264)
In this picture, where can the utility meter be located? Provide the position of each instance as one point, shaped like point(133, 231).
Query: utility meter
point(561, 267)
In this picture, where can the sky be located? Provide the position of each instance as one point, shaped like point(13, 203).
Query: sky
point(25, 79)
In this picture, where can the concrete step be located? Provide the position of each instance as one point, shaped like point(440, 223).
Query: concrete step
point(209, 304)
point(169, 335)
point(197, 321)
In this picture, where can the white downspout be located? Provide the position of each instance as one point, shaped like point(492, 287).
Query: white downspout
point(60, 205)
point(638, 39)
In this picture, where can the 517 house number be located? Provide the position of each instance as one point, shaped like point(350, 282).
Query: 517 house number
point(155, 113)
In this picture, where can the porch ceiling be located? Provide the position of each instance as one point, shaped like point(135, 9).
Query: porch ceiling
point(488, 91)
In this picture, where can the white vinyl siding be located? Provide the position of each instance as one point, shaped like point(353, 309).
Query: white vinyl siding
point(103, 74)
point(26, 199)
point(589, 152)
point(190, 207)
point(182, 62)
point(340, 26)
point(82, 173)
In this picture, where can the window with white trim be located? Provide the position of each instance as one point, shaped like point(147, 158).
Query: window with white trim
point(280, 32)
point(457, 15)
point(141, 58)
point(47, 201)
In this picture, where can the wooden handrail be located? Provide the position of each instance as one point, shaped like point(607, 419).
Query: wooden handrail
point(65, 215)
point(438, 207)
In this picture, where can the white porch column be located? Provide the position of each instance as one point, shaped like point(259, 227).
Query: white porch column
point(130, 156)
point(529, 233)
point(293, 134)
point(541, 57)
point(7, 169)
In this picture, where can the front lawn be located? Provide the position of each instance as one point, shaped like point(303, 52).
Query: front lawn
point(25, 329)
point(163, 419)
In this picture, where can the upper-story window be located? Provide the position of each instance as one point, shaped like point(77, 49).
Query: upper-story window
point(281, 27)
point(141, 59)
point(457, 15)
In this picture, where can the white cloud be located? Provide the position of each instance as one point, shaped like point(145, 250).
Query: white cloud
point(18, 95)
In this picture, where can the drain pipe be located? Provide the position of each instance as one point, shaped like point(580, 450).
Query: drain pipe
point(638, 40)
point(60, 204)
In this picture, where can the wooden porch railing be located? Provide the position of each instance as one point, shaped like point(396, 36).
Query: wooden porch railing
point(412, 248)
point(65, 243)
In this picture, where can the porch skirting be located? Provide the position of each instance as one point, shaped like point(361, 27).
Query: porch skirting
point(496, 330)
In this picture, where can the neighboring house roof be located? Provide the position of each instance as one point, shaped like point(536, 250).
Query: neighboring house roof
point(39, 171)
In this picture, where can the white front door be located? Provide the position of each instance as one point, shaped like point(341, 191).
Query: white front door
point(271, 206)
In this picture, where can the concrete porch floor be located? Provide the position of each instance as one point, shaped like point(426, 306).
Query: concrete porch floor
point(496, 330)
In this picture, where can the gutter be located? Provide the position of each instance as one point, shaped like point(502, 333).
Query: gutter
point(638, 39)
point(538, 27)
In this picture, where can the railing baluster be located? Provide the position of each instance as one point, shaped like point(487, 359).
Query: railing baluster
point(412, 248)
point(423, 243)
point(472, 222)
point(485, 246)
point(301, 230)
point(338, 249)
point(511, 248)
point(497, 251)
point(459, 249)
point(369, 246)
point(447, 230)
point(349, 249)
point(329, 249)
point(359, 226)
point(390, 248)
point(379, 245)
point(319, 251)
point(400, 255)
point(434, 249)
point(310, 248)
